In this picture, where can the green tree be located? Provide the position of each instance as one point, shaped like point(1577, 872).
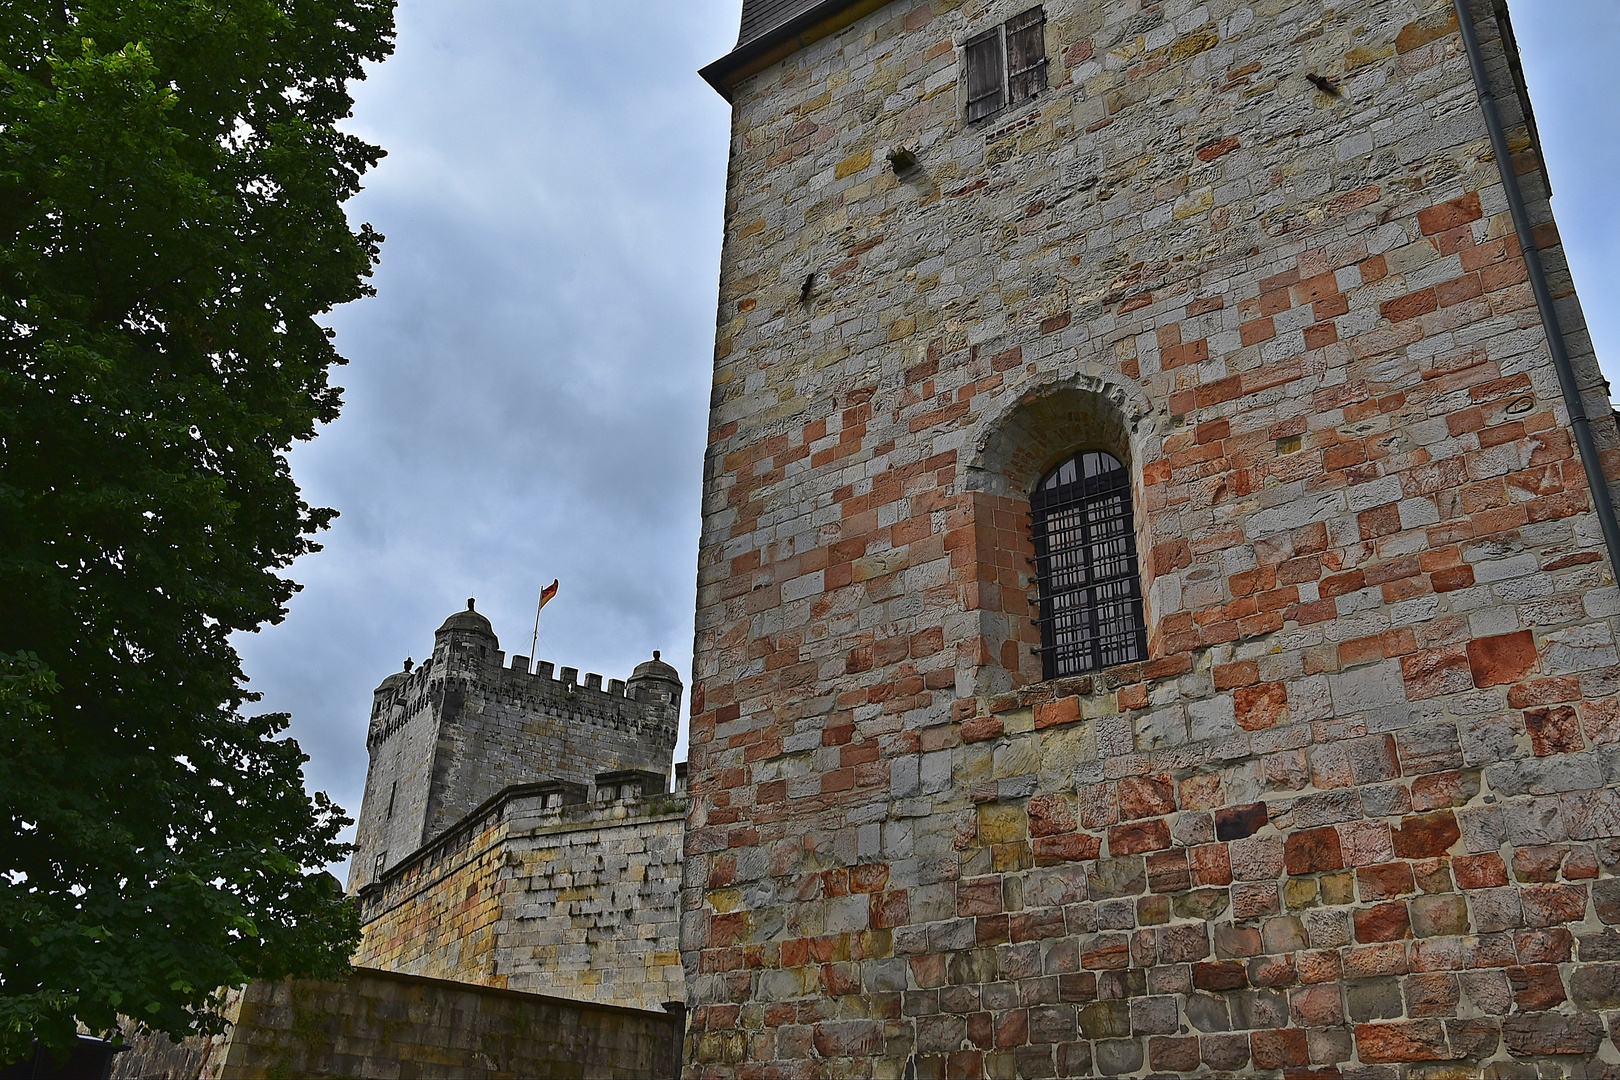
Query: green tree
point(171, 181)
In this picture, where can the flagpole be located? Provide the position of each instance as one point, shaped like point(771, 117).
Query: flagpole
point(546, 593)
point(536, 637)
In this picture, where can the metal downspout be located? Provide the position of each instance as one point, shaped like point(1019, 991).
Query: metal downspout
point(1595, 479)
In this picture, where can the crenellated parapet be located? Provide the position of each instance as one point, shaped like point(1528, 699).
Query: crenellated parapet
point(448, 735)
point(647, 706)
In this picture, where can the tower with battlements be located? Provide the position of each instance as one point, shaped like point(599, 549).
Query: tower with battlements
point(464, 725)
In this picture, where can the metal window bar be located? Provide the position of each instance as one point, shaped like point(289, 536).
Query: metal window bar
point(1026, 55)
point(986, 75)
point(1086, 567)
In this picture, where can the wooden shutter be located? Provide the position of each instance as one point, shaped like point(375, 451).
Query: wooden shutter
point(1026, 55)
point(986, 83)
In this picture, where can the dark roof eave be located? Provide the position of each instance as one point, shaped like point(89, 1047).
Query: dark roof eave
point(782, 41)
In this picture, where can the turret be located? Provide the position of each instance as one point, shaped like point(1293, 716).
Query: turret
point(382, 699)
point(656, 682)
point(466, 643)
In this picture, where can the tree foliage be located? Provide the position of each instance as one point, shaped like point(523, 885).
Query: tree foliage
point(171, 181)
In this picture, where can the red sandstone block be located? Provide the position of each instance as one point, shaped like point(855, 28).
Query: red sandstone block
point(1320, 336)
point(1279, 1048)
point(1050, 815)
point(1138, 837)
point(889, 909)
point(1242, 673)
point(1108, 952)
point(1383, 922)
point(1132, 697)
point(1423, 836)
point(979, 896)
point(1145, 796)
point(1313, 851)
point(1062, 711)
point(1260, 707)
point(1452, 578)
point(1256, 331)
point(1379, 521)
point(1219, 975)
point(981, 729)
point(1066, 847)
point(1553, 905)
point(1339, 584)
point(1384, 881)
point(1176, 1055)
point(1554, 730)
point(1600, 719)
point(1410, 306)
point(1331, 307)
point(1553, 946)
point(1449, 215)
point(1502, 659)
point(1536, 987)
point(1211, 150)
point(1211, 864)
point(1401, 1041)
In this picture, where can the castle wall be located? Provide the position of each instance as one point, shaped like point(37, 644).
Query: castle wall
point(1356, 813)
point(579, 901)
point(511, 725)
point(394, 807)
point(458, 730)
point(384, 1024)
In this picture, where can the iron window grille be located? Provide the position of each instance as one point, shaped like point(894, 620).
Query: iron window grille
point(1006, 65)
point(1086, 570)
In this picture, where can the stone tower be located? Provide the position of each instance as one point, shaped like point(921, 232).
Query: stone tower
point(463, 726)
point(1153, 614)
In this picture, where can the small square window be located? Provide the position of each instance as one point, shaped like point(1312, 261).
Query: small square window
point(1006, 65)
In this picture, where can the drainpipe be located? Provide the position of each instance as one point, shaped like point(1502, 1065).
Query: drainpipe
point(1538, 284)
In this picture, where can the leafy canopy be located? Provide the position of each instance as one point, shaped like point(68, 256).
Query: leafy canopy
point(171, 181)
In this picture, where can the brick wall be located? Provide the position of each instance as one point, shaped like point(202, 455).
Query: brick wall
point(578, 901)
point(384, 1024)
point(1354, 815)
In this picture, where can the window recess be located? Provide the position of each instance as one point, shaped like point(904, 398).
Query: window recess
point(1006, 65)
point(1090, 593)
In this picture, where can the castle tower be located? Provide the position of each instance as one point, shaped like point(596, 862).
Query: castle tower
point(1153, 614)
point(463, 726)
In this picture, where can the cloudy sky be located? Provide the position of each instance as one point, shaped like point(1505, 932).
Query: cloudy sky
point(527, 393)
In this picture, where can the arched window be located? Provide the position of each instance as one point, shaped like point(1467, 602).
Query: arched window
point(1085, 560)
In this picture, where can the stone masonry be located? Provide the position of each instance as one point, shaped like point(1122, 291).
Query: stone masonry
point(453, 733)
point(1355, 815)
point(534, 843)
point(576, 900)
point(384, 1025)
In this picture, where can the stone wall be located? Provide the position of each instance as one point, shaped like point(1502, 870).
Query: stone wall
point(450, 735)
point(385, 1025)
point(577, 900)
point(1355, 814)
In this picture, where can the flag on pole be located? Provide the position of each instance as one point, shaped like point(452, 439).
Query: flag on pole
point(545, 598)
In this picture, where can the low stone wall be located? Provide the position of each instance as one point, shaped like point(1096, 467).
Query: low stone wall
point(582, 901)
point(383, 1025)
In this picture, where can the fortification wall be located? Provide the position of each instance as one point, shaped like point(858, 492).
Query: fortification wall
point(576, 900)
point(511, 726)
point(384, 1024)
point(1356, 812)
point(459, 729)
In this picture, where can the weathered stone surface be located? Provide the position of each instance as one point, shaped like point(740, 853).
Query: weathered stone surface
point(1377, 644)
point(379, 1023)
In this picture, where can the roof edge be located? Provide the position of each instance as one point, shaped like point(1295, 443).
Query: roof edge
point(780, 42)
